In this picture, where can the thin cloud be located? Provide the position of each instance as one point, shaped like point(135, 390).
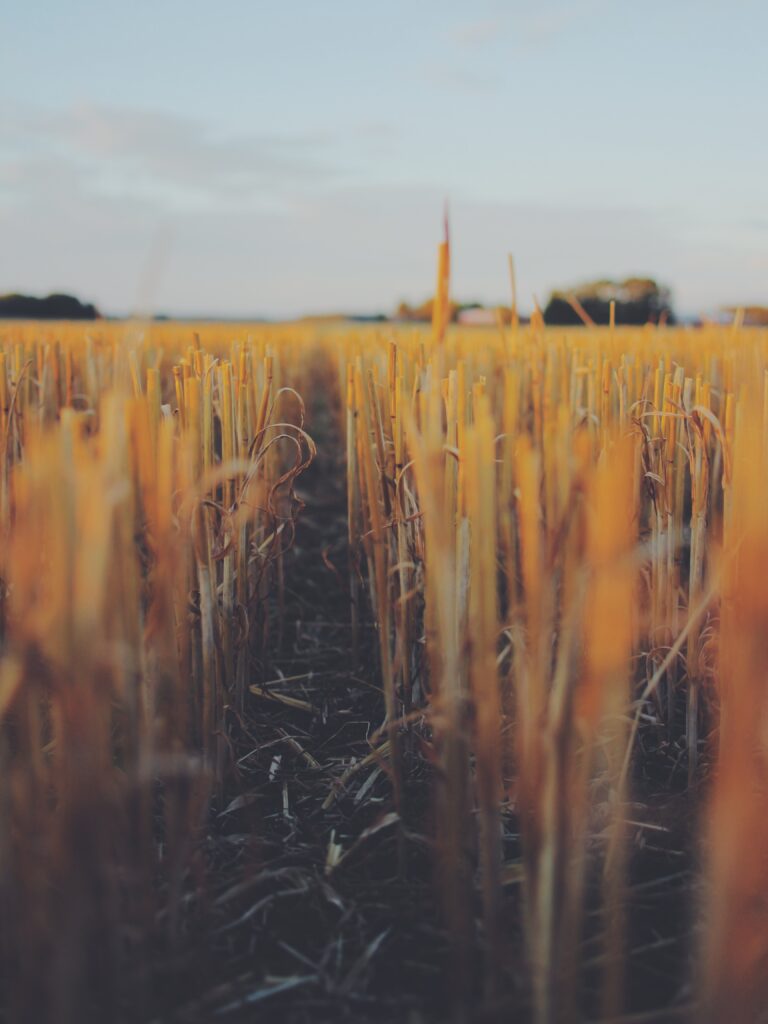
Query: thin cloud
point(473, 35)
point(464, 80)
point(547, 23)
point(158, 157)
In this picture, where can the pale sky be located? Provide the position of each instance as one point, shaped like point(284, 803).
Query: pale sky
point(249, 158)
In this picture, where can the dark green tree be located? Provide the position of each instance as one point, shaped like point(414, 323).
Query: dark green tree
point(52, 307)
point(639, 300)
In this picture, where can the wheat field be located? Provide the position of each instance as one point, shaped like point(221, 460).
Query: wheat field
point(337, 659)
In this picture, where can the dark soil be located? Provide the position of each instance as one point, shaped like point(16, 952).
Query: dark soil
point(283, 933)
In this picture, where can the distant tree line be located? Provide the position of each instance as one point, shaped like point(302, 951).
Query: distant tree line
point(52, 307)
point(639, 300)
point(423, 312)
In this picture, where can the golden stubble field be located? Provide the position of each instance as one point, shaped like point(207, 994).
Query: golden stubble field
point(544, 576)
